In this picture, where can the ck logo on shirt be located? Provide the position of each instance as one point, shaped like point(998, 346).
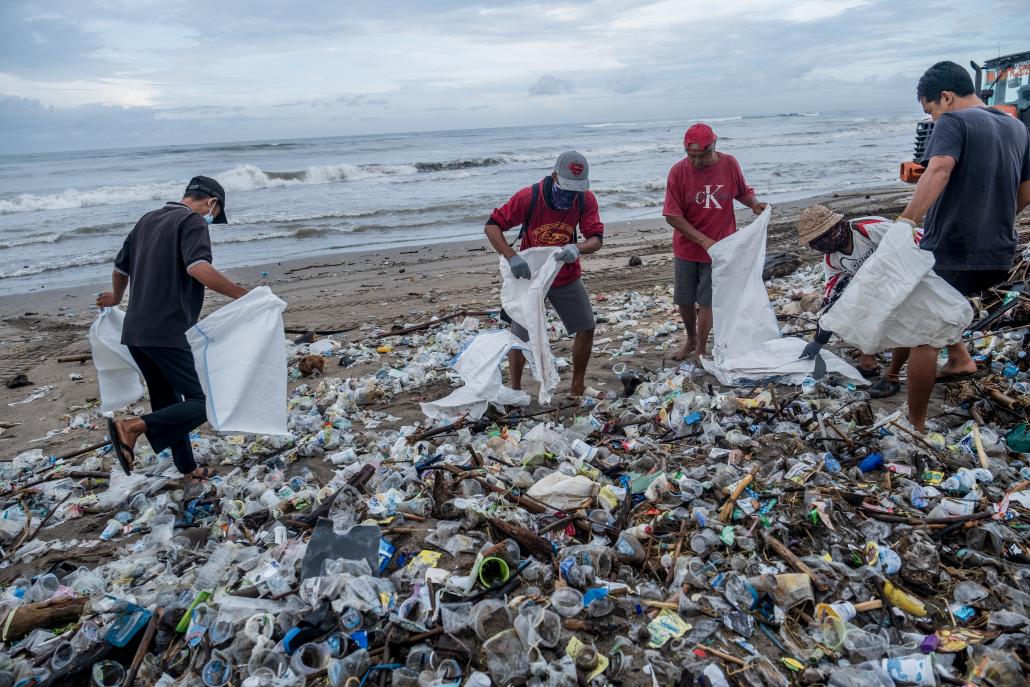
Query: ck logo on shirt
point(707, 197)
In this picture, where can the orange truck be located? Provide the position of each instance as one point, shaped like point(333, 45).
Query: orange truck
point(1003, 83)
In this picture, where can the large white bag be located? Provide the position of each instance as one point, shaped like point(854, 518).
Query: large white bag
point(896, 300)
point(479, 364)
point(117, 374)
point(748, 346)
point(240, 354)
point(523, 300)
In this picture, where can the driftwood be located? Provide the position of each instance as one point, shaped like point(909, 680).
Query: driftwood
point(80, 358)
point(45, 614)
point(528, 540)
point(431, 323)
point(793, 561)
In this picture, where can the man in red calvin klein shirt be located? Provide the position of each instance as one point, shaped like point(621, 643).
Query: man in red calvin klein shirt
point(699, 205)
point(549, 212)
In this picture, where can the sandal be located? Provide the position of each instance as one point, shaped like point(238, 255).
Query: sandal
point(201, 474)
point(960, 377)
point(884, 388)
point(120, 449)
point(869, 374)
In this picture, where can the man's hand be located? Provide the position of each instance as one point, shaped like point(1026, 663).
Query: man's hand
point(568, 254)
point(707, 244)
point(811, 351)
point(759, 208)
point(107, 300)
point(519, 267)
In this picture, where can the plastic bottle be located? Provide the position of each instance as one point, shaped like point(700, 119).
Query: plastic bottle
point(216, 567)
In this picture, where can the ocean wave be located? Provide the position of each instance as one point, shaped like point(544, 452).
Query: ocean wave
point(55, 265)
point(782, 114)
point(465, 163)
point(239, 178)
point(30, 241)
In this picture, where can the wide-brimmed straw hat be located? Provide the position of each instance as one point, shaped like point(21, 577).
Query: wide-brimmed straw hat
point(816, 221)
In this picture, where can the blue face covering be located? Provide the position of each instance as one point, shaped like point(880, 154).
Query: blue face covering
point(562, 199)
point(210, 216)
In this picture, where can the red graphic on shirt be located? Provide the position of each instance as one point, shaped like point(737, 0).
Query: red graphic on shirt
point(575, 168)
point(553, 234)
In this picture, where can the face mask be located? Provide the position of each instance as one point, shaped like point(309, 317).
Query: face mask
point(562, 199)
point(833, 241)
point(210, 216)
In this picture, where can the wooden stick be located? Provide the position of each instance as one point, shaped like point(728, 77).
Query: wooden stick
point(979, 447)
point(80, 358)
point(727, 508)
point(676, 552)
point(141, 652)
point(431, 323)
point(793, 561)
point(721, 654)
point(1004, 400)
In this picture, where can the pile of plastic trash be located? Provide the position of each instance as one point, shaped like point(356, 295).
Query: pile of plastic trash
point(675, 533)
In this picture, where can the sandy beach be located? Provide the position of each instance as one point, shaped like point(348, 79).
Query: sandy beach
point(352, 294)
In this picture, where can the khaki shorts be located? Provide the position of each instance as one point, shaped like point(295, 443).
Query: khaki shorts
point(571, 302)
point(693, 283)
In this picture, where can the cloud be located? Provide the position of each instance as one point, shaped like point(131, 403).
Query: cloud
point(91, 69)
point(550, 85)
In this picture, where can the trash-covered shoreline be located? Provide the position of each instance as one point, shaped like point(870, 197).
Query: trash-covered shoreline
point(665, 530)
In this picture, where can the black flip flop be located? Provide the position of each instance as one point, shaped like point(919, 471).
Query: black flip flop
point(869, 374)
point(119, 448)
point(884, 388)
point(963, 377)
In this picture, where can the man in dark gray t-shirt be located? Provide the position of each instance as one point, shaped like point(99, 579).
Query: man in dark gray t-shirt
point(977, 179)
point(166, 260)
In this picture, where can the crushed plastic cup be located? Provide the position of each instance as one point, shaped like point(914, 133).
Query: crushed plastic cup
point(567, 602)
point(107, 674)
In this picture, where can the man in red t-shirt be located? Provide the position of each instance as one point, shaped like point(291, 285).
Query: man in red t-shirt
point(549, 213)
point(699, 205)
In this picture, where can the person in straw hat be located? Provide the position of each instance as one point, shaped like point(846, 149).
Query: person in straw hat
point(845, 245)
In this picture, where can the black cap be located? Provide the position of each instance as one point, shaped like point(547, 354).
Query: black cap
point(212, 188)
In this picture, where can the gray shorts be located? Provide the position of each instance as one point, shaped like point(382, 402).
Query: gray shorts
point(693, 283)
point(572, 304)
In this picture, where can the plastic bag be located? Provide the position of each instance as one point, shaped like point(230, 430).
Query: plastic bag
point(523, 300)
point(896, 300)
point(748, 346)
point(479, 364)
point(117, 374)
point(240, 354)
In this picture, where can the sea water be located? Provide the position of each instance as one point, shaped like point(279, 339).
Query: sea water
point(63, 216)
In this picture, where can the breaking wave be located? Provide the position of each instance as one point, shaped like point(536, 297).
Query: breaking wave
point(54, 265)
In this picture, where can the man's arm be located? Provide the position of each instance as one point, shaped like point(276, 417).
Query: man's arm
point(929, 188)
point(752, 202)
point(1023, 197)
point(496, 238)
point(687, 229)
point(591, 245)
point(207, 275)
point(119, 282)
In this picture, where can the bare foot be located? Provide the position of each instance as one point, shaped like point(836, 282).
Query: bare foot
point(699, 352)
point(685, 351)
point(577, 390)
point(950, 369)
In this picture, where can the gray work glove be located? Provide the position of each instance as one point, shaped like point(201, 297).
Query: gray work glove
point(519, 267)
point(811, 351)
point(569, 254)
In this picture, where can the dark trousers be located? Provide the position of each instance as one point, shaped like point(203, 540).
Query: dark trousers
point(176, 401)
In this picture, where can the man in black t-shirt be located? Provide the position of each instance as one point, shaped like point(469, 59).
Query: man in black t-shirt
point(976, 181)
point(166, 259)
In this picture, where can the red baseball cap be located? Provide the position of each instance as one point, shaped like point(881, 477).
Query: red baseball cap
point(699, 134)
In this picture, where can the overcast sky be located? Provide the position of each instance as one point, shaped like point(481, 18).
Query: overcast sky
point(108, 73)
